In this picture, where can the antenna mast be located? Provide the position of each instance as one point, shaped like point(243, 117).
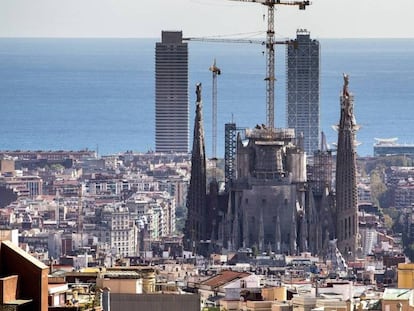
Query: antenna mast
point(270, 60)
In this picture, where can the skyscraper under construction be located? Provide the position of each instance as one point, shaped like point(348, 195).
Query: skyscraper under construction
point(171, 93)
point(302, 107)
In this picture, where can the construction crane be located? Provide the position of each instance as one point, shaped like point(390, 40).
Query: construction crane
point(215, 72)
point(224, 40)
point(270, 60)
point(252, 41)
point(231, 40)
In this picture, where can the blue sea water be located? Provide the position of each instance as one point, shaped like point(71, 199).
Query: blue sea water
point(72, 94)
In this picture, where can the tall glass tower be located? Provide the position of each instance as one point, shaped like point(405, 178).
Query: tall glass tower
point(303, 62)
point(171, 93)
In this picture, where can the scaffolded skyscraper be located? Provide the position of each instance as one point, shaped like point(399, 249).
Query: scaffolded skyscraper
point(302, 108)
point(230, 142)
point(171, 94)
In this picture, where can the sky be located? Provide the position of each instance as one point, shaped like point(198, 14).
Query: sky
point(201, 18)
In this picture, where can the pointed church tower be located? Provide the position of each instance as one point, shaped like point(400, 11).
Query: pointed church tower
point(293, 235)
point(195, 227)
point(346, 184)
point(278, 236)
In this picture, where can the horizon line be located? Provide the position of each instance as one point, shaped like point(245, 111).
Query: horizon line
point(157, 38)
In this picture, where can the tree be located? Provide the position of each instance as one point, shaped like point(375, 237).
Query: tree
point(57, 167)
point(388, 222)
point(378, 187)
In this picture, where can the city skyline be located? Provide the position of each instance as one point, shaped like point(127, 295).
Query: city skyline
point(110, 18)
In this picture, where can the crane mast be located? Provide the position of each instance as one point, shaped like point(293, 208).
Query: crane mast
point(270, 49)
point(270, 68)
point(215, 72)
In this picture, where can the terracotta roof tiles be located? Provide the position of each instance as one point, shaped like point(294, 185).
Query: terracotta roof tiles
point(224, 277)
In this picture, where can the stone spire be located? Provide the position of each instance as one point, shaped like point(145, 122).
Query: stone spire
point(304, 232)
point(261, 230)
point(195, 228)
point(346, 185)
point(235, 232)
point(228, 226)
point(246, 241)
point(278, 236)
point(293, 234)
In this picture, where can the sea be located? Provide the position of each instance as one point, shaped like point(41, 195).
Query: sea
point(99, 94)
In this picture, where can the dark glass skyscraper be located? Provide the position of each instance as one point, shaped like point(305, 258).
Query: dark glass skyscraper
point(302, 107)
point(171, 93)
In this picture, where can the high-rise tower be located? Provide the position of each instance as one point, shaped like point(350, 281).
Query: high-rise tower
point(171, 93)
point(346, 185)
point(303, 89)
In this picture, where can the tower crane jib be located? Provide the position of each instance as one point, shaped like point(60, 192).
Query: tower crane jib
point(270, 60)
